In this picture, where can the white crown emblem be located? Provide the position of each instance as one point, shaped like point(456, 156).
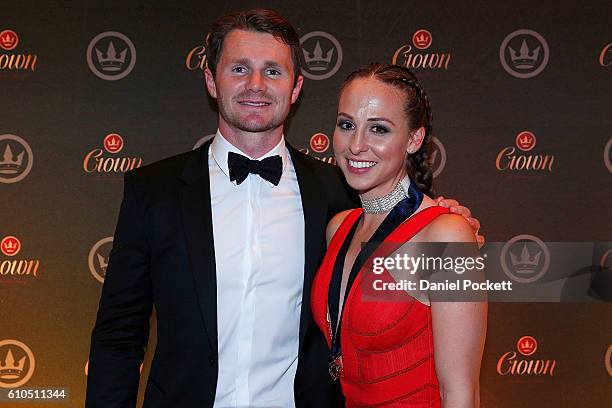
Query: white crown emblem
point(112, 61)
point(8, 165)
point(318, 62)
point(524, 59)
point(102, 261)
point(526, 263)
point(11, 369)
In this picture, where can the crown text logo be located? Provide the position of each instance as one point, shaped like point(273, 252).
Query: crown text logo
point(408, 57)
point(513, 363)
point(14, 62)
point(509, 159)
point(15, 269)
point(97, 162)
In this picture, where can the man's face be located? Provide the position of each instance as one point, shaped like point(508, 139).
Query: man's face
point(254, 82)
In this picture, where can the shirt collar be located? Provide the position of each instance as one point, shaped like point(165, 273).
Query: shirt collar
point(220, 147)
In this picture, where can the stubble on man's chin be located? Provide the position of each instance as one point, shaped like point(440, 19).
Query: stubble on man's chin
point(251, 126)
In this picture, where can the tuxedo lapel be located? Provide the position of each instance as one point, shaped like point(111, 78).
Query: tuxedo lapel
point(194, 193)
point(315, 217)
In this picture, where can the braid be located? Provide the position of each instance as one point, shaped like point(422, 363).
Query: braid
point(418, 112)
point(419, 163)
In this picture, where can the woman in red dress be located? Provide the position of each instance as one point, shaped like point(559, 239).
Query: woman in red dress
point(412, 352)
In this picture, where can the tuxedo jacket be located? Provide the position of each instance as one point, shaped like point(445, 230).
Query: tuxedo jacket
point(163, 255)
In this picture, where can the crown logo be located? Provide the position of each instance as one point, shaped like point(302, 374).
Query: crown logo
point(421, 40)
point(527, 345)
point(8, 40)
point(102, 262)
point(11, 369)
point(524, 59)
point(525, 140)
point(9, 246)
point(319, 142)
point(113, 143)
point(8, 165)
point(112, 61)
point(318, 62)
point(526, 263)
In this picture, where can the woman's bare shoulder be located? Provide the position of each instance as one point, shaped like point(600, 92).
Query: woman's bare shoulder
point(445, 227)
point(334, 224)
point(450, 228)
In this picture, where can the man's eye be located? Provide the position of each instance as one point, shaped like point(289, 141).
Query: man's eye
point(379, 129)
point(272, 72)
point(345, 125)
point(239, 69)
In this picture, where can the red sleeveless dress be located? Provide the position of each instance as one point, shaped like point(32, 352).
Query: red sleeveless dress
point(387, 346)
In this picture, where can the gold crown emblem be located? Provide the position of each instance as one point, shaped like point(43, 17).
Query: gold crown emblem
point(11, 369)
point(8, 40)
point(525, 263)
point(111, 61)
point(524, 58)
point(318, 62)
point(8, 165)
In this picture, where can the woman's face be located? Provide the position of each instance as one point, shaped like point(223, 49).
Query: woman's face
point(372, 137)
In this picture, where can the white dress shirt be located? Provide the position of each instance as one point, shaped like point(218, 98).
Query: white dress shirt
point(258, 231)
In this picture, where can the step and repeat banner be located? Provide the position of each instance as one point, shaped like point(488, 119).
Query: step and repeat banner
point(521, 95)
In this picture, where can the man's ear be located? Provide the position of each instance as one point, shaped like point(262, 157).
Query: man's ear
point(210, 83)
point(416, 140)
point(297, 88)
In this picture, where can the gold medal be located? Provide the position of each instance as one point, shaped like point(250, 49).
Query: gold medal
point(335, 368)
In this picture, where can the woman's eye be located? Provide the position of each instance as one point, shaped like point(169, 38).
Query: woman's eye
point(345, 125)
point(239, 69)
point(379, 129)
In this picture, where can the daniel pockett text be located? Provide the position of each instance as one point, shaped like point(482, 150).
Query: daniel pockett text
point(522, 269)
point(426, 266)
point(437, 272)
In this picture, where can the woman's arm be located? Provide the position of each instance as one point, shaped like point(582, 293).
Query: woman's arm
point(459, 330)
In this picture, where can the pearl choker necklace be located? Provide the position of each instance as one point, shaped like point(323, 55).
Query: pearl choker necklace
point(380, 205)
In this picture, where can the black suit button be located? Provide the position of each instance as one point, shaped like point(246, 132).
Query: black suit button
point(212, 361)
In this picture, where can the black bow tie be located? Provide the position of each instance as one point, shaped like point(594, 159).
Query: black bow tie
point(269, 168)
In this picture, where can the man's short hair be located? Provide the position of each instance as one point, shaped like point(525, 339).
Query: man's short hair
point(258, 20)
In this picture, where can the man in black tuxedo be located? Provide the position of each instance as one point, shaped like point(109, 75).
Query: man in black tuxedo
point(224, 241)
